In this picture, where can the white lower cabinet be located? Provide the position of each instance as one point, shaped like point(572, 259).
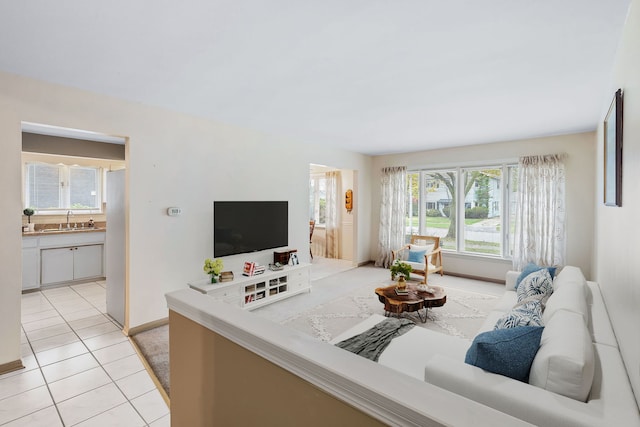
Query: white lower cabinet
point(87, 262)
point(70, 263)
point(30, 263)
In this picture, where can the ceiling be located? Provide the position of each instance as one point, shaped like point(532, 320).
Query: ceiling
point(371, 76)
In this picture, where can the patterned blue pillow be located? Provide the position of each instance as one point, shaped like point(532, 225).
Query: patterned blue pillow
point(537, 284)
point(416, 256)
point(507, 352)
point(530, 268)
point(527, 314)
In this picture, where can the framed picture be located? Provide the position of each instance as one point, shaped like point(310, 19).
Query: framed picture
point(613, 152)
point(293, 259)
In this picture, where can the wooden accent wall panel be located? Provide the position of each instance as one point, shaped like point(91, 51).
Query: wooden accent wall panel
point(215, 382)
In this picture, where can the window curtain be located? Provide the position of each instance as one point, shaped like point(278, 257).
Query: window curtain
point(332, 224)
point(393, 195)
point(540, 212)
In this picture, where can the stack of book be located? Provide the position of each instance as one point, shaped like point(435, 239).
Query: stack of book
point(404, 291)
point(226, 276)
point(252, 269)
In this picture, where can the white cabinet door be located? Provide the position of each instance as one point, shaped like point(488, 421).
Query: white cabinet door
point(30, 268)
point(87, 261)
point(56, 265)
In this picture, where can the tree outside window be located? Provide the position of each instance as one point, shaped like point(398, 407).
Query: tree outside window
point(472, 221)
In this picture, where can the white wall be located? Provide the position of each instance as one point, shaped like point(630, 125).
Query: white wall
point(172, 160)
point(10, 230)
point(618, 228)
point(579, 189)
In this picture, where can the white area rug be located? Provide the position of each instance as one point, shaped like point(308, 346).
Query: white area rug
point(462, 315)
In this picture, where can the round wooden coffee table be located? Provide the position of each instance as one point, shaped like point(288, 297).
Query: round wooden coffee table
point(414, 300)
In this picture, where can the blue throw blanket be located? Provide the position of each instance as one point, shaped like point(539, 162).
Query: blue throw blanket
point(371, 343)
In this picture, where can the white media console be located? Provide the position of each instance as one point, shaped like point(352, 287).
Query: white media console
point(251, 292)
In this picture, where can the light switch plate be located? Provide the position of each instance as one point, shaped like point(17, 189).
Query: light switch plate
point(174, 211)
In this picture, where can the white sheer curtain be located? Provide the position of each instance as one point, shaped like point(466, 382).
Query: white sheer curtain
point(540, 212)
point(393, 195)
point(332, 220)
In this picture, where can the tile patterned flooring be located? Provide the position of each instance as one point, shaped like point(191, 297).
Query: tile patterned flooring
point(80, 369)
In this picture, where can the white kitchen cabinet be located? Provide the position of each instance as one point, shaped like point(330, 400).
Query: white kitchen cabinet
point(71, 263)
point(51, 258)
point(30, 263)
point(57, 265)
point(87, 261)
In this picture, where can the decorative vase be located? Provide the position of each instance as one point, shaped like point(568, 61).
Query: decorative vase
point(32, 227)
point(402, 283)
point(214, 278)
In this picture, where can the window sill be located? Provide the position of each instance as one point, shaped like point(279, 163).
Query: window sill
point(476, 256)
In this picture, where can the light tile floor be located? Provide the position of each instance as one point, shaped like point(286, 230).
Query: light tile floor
point(80, 369)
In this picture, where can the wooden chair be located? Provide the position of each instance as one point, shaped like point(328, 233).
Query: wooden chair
point(432, 261)
point(312, 225)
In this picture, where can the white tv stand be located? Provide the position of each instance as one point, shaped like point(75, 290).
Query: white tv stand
point(251, 292)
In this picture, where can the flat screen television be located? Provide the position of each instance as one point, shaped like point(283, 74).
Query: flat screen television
point(243, 227)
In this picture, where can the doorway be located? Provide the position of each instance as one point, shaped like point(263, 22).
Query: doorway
point(332, 243)
point(66, 172)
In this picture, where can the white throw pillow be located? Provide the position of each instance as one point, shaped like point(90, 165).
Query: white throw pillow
point(427, 248)
point(536, 285)
point(565, 362)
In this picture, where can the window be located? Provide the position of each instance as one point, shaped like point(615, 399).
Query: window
point(482, 222)
point(55, 187)
point(318, 198)
point(469, 208)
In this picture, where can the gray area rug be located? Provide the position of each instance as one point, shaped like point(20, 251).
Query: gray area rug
point(341, 301)
point(154, 346)
point(461, 316)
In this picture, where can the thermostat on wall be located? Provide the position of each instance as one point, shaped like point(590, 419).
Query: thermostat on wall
point(174, 211)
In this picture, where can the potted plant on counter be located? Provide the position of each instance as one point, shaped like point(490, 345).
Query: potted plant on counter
point(28, 212)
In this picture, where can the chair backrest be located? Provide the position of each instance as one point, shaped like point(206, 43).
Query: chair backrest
point(426, 240)
point(312, 225)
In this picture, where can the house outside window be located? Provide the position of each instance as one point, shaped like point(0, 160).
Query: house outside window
point(51, 188)
point(468, 208)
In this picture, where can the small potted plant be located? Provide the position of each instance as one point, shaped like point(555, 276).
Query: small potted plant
point(213, 268)
point(402, 269)
point(28, 212)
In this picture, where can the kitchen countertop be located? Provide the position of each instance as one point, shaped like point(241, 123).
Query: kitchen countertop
point(52, 231)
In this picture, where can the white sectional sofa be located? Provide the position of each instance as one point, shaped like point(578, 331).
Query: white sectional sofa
point(578, 357)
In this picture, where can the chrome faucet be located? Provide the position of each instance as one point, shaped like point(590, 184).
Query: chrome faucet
point(69, 213)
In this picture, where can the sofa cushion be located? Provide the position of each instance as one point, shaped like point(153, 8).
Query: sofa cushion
point(507, 352)
point(531, 268)
point(526, 314)
point(570, 296)
point(569, 274)
point(565, 361)
point(536, 285)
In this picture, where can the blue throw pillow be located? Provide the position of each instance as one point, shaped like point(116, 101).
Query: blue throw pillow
point(532, 268)
point(416, 256)
point(507, 352)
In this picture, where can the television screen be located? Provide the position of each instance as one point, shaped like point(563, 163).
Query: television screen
point(242, 227)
